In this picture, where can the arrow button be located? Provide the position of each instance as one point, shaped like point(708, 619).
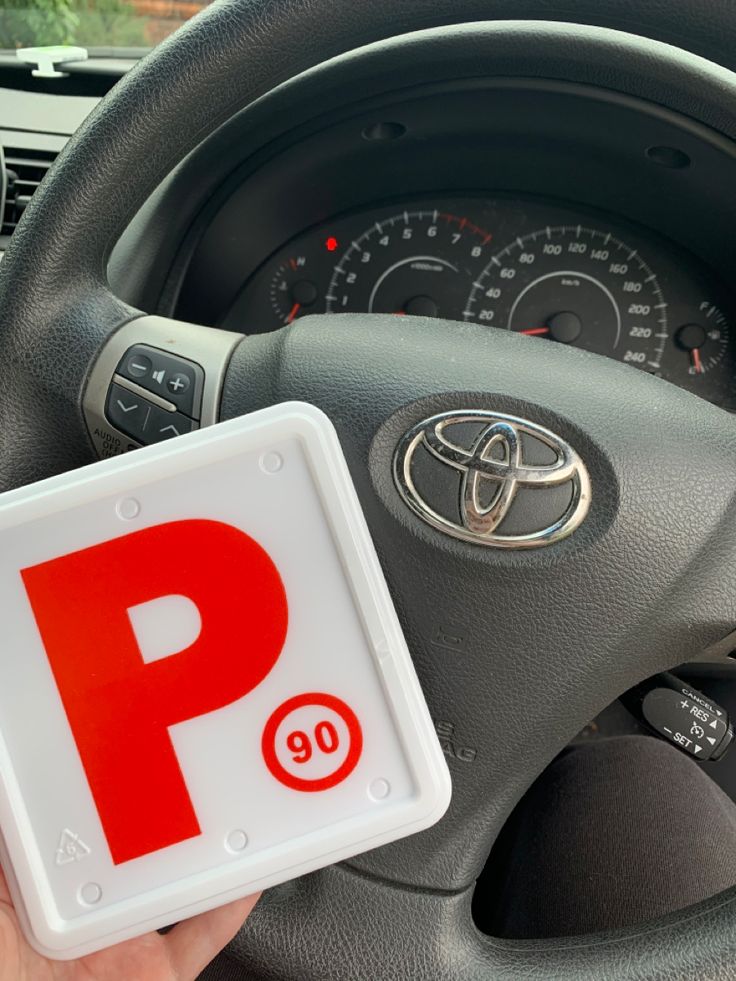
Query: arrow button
point(127, 412)
point(166, 425)
point(142, 420)
point(127, 408)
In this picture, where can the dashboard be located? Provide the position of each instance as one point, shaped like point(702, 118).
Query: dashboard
point(556, 273)
point(567, 213)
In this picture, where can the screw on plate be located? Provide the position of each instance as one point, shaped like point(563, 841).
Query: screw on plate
point(271, 462)
point(236, 841)
point(379, 789)
point(89, 894)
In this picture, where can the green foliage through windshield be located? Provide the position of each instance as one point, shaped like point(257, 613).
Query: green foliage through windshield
point(92, 23)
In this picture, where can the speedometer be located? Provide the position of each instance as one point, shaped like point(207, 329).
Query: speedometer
point(575, 285)
point(414, 262)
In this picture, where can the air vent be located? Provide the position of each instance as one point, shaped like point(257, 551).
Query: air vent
point(26, 169)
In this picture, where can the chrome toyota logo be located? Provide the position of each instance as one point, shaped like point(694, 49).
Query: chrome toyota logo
point(492, 479)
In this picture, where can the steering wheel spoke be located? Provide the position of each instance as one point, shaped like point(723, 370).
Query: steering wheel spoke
point(155, 379)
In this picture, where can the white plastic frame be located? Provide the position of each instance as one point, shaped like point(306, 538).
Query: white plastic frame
point(162, 901)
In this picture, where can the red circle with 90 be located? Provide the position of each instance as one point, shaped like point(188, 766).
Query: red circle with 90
point(304, 743)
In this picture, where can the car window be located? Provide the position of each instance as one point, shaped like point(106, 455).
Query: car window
point(94, 24)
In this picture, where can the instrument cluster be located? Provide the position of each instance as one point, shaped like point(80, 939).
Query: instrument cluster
point(554, 273)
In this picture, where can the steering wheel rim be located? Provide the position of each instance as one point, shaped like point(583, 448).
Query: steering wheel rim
point(57, 314)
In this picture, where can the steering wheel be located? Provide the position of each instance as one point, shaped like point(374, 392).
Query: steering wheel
point(544, 637)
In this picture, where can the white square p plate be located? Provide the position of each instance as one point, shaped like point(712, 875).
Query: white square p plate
point(204, 688)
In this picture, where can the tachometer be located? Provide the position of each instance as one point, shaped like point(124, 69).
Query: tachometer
point(415, 262)
point(575, 285)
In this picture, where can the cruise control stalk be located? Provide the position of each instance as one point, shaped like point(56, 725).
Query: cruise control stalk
point(682, 715)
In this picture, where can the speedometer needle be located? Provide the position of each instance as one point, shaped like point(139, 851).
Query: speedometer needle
point(535, 331)
point(293, 312)
point(697, 363)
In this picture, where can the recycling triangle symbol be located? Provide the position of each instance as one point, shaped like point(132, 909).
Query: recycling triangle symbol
point(71, 848)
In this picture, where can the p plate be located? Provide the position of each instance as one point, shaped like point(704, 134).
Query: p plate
point(204, 688)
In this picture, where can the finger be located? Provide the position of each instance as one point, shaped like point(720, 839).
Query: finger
point(192, 944)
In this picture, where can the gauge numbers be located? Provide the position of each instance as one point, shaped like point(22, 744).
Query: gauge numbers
point(415, 262)
point(579, 286)
point(542, 269)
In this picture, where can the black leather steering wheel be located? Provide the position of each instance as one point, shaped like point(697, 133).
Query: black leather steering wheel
point(550, 636)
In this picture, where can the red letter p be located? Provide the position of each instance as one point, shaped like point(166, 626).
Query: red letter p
point(119, 707)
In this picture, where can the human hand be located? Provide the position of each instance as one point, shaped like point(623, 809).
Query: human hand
point(179, 955)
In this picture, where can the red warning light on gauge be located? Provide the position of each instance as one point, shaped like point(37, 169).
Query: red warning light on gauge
point(331, 243)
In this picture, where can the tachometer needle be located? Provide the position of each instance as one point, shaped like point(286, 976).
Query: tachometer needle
point(535, 331)
point(293, 312)
point(697, 363)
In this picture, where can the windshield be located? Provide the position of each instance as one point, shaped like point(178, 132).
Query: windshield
point(95, 24)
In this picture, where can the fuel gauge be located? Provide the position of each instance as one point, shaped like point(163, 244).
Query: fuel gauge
point(704, 341)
